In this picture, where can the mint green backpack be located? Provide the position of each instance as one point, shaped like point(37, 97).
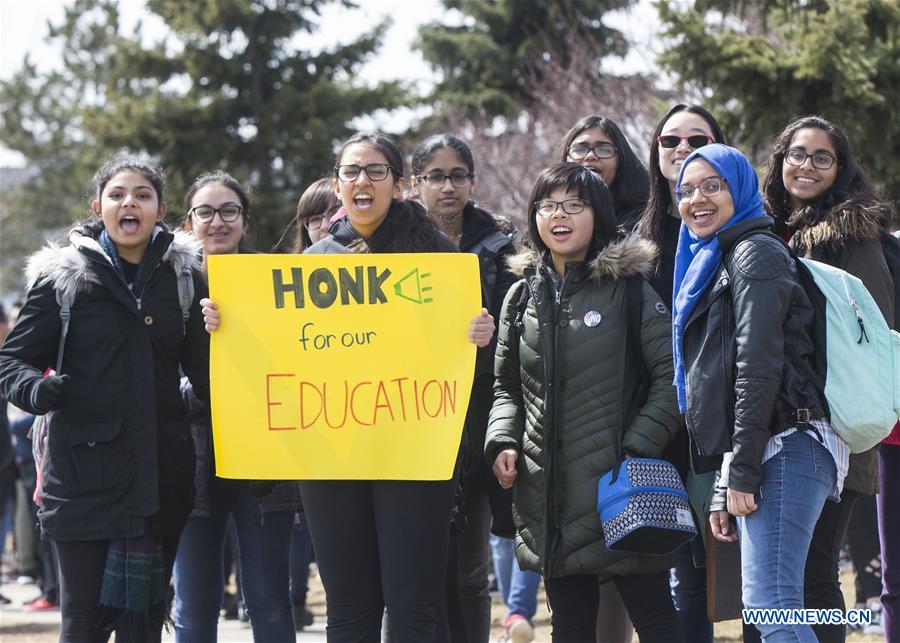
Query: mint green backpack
point(862, 379)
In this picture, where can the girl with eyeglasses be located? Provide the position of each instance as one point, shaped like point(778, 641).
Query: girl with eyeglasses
point(680, 131)
point(218, 214)
point(742, 327)
point(597, 143)
point(823, 202)
point(380, 542)
point(444, 178)
point(116, 478)
point(316, 207)
point(569, 399)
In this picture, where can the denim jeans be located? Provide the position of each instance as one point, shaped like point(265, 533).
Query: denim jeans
point(775, 538)
point(301, 557)
point(264, 546)
point(518, 588)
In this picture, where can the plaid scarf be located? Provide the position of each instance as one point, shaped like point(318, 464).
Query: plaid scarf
point(134, 586)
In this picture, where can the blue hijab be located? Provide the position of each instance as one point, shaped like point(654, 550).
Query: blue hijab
point(697, 260)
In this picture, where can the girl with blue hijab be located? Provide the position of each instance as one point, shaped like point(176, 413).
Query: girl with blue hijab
point(743, 351)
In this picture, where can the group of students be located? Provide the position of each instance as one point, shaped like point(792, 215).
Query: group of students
point(560, 394)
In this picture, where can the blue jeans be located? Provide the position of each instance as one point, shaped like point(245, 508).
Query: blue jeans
point(775, 538)
point(517, 587)
point(264, 544)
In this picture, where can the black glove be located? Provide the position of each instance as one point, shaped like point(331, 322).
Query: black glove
point(50, 393)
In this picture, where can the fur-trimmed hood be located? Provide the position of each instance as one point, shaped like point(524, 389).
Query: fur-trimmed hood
point(631, 255)
point(69, 269)
point(849, 221)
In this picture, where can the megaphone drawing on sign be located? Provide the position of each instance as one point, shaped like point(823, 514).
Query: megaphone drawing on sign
point(414, 287)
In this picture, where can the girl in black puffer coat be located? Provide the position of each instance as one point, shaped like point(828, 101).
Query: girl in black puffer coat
point(117, 478)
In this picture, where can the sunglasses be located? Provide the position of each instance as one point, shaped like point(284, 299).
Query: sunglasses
point(696, 140)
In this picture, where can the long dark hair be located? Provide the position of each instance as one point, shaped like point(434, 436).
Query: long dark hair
point(143, 165)
point(318, 198)
point(630, 188)
point(851, 185)
point(660, 202)
point(589, 187)
point(407, 226)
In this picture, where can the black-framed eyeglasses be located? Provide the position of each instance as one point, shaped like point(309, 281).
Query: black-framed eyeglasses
point(375, 172)
point(580, 151)
point(458, 179)
point(821, 159)
point(695, 140)
point(228, 212)
point(710, 186)
point(549, 207)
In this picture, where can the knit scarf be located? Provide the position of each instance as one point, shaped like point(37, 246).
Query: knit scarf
point(697, 260)
point(134, 588)
point(113, 253)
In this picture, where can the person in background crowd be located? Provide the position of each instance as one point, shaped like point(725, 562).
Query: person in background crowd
point(597, 143)
point(116, 479)
point(739, 305)
point(681, 130)
point(7, 457)
point(444, 178)
point(822, 200)
point(387, 546)
point(314, 211)
point(561, 417)
point(218, 214)
point(518, 588)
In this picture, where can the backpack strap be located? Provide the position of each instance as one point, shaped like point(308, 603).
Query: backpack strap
point(185, 296)
point(65, 314)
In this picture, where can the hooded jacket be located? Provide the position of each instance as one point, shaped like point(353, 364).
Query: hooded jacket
point(561, 397)
point(120, 451)
point(847, 237)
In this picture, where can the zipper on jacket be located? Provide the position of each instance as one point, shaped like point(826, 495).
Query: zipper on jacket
point(551, 462)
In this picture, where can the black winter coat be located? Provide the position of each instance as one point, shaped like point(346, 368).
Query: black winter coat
point(748, 355)
point(120, 452)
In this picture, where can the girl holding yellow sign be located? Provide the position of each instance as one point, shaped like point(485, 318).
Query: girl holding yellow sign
point(380, 542)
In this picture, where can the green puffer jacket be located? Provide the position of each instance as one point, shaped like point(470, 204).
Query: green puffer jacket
point(561, 395)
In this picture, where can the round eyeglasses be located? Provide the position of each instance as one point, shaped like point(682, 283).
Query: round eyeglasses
point(710, 186)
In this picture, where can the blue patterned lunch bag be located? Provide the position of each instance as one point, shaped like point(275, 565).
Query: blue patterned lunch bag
point(644, 508)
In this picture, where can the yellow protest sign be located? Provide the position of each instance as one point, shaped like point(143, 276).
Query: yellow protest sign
point(341, 366)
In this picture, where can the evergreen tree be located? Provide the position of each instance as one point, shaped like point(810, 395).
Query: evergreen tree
point(485, 62)
point(761, 63)
point(230, 87)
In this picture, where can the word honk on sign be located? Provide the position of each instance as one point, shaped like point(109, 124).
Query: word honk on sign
point(341, 366)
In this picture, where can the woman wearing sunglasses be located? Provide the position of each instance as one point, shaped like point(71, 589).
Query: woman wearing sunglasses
point(597, 143)
point(742, 326)
point(681, 130)
point(218, 214)
point(825, 204)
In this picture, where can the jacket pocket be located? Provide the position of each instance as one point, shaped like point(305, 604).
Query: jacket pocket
point(89, 460)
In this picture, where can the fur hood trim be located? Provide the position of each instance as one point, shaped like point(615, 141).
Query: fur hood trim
point(632, 255)
point(849, 221)
point(69, 269)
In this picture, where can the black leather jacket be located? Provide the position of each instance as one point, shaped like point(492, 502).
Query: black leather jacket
point(748, 355)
